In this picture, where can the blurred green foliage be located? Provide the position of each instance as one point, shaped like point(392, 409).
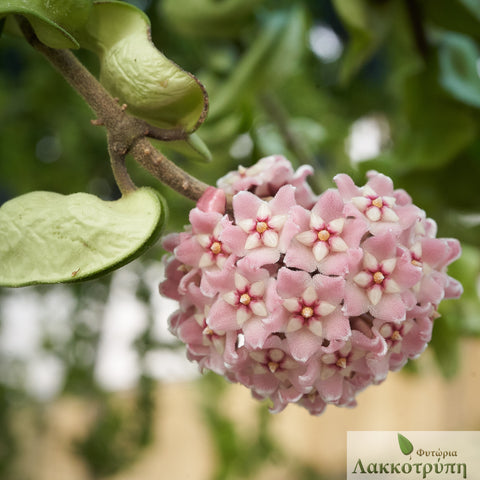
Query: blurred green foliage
point(302, 78)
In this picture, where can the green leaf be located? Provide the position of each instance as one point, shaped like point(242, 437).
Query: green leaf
point(272, 57)
point(445, 345)
point(473, 6)
point(454, 15)
point(133, 70)
point(439, 128)
point(458, 57)
point(193, 148)
point(405, 445)
point(54, 22)
point(367, 26)
point(46, 237)
point(209, 18)
point(463, 316)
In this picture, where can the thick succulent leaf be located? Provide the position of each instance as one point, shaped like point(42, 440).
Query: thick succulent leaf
point(46, 237)
point(133, 70)
point(54, 22)
point(208, 18)
point(458, 67)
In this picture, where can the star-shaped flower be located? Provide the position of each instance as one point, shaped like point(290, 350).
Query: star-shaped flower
point(325, 236)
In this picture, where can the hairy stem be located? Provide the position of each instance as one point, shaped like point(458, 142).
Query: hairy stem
point(126, 134)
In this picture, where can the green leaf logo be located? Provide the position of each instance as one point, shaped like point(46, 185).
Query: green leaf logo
point(405, 444)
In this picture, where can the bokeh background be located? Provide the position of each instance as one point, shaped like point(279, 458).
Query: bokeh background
point(92, 385)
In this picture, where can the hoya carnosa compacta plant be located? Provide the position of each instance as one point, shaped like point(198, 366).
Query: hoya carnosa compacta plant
point(306, 299)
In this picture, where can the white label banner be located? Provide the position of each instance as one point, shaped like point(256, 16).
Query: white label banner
point(413, 455)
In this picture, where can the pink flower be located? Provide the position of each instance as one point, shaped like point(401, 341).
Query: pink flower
point(267, 176)
point(242, 304)
point(324, 237)
point(383, 208)
point(311, 311)
point(203, 248)
point(258, 233)
point(271, 371)
point(306, 300)
point(433, 255)
point(380, 283)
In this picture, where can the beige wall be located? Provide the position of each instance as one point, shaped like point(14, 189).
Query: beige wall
point(183, 451)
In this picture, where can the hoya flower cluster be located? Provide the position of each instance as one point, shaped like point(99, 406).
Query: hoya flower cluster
point(301, 298)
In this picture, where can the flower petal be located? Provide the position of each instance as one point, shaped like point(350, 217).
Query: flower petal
point(270, 238)
point(337, 225)
point(320, 251)
point(307, 238)
point(363, 279)
point(253, 241)
point(259, 308)
point(292, 305)
point(374, 294)
point(316, 327)
point(309, 295)
point(337, 244)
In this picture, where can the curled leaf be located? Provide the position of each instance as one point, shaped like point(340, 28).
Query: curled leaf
point(54, 22)
point(46, 237)
point(133, 70)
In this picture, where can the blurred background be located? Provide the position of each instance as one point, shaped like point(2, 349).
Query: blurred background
point(92, 385)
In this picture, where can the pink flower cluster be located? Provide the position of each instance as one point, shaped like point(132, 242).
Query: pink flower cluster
point(306, 299)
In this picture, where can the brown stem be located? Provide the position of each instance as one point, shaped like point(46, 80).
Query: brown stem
point(126, 134)
point(120, 172)
point(77, 76)
point(160, 167)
